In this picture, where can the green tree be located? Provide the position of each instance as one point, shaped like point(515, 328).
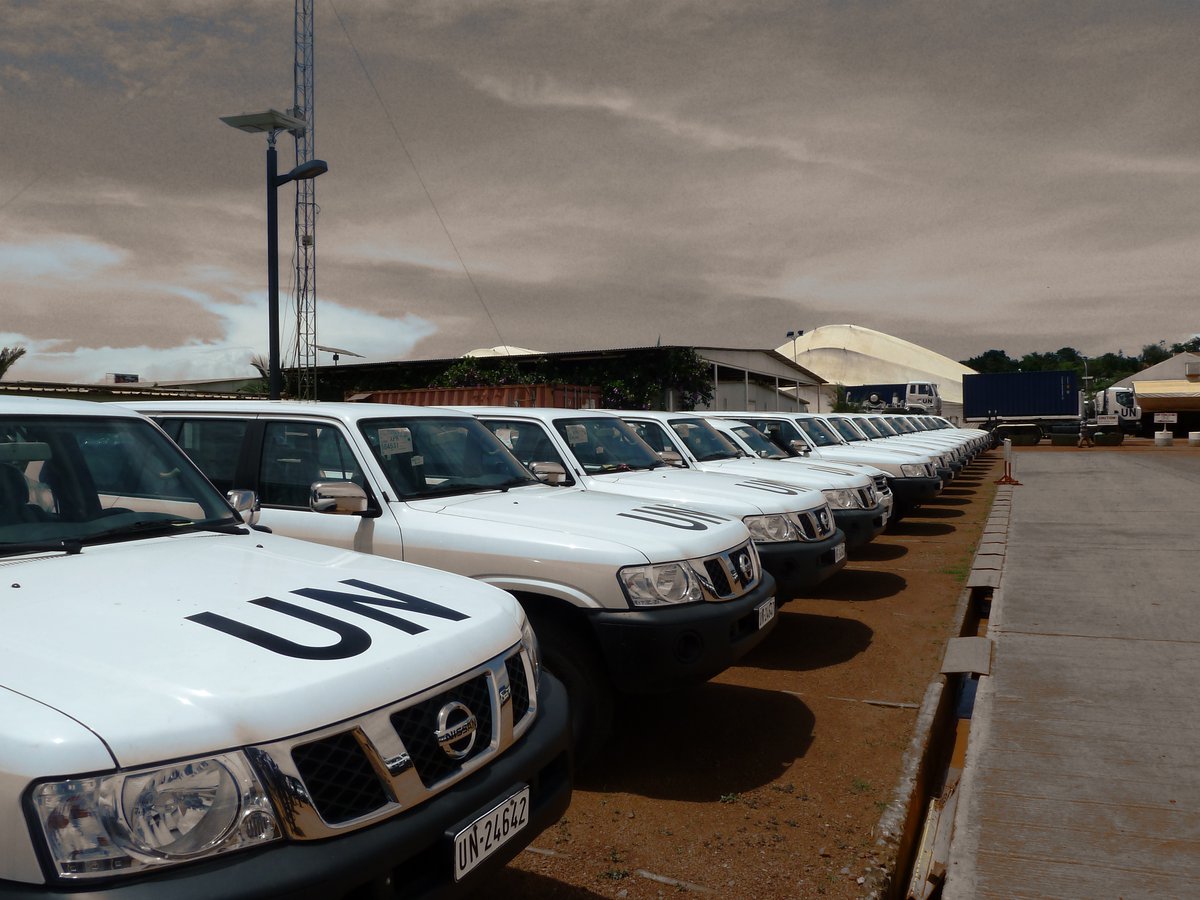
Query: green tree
point(992, 361)
point(8, 356)
point(1153, 354)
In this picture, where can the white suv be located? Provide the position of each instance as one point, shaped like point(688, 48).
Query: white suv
point(192, 708)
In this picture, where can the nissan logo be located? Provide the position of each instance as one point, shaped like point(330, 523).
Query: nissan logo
point(745, 567)
point(456, 730)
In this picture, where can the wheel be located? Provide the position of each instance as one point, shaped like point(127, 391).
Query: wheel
point(573, 659)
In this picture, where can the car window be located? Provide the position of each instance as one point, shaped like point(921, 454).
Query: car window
point(215, 445)
point(96, 478)
point(705, 442)
point(606, 444)
point(425, 456)
point(297, 454)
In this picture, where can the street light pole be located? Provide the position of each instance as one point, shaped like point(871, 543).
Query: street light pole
point(274, 375)
point(272, 122)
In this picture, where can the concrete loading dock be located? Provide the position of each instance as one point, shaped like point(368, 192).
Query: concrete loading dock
point(1080, 776)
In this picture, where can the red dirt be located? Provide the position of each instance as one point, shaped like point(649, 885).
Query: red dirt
point(768, 781)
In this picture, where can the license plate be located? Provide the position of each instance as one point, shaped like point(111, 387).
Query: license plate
point(490, 832)
point(766, 612)
point(839, 553)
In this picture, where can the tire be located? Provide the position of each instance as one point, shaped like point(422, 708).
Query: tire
point(567, 652)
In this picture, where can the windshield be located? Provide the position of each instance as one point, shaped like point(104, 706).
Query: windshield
point(706, 443)
point(606, 444)
point(884, 426)
point(867, 427)
point(845, 428)
point(819, 433)
point(73, 480)
point(438, 456)
point(758, 442)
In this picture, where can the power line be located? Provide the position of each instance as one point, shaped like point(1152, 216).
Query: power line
point(400, 140)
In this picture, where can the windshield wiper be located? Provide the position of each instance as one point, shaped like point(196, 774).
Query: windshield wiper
point(69, 546)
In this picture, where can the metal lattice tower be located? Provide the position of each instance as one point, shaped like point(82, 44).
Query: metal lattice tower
point(306, 210)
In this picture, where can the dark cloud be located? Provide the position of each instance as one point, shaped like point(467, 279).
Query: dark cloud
point(558, 176)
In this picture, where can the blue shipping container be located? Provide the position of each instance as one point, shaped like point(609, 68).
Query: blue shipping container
point(1020, 394)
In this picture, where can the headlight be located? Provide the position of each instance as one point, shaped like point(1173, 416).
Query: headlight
point(660, 585)
point(840, 498)
point(912, 470)
point(770, 529)
point(133, 821)
point(529, 644)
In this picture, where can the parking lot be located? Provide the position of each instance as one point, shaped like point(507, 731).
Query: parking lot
point(769, 781)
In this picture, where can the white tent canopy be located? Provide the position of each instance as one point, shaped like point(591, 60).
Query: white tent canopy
point(851, 354)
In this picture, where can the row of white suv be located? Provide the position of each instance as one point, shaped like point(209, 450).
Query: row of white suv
point(338, 708)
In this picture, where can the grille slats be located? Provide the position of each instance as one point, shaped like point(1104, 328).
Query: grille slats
point(339, 778)
point(391, 759)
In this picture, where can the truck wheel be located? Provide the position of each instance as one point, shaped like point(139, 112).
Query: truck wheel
point(575, 662)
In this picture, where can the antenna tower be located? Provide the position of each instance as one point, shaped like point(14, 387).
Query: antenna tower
point(306, 210)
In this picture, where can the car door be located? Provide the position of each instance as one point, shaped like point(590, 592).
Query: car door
point(280, 459)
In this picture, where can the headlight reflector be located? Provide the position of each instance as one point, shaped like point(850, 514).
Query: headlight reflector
point(132, 821)
point(839, 498)
point(530, 644)
point(660, 585)
point(770, 529)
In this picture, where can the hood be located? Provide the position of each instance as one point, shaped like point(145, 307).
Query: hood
point(810, 478)
point(647, 530)
point(735, 495)
point(872, 455)
point(176, 646)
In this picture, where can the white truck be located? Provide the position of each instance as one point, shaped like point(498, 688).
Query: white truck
point(793, 528)
point(626, 596)
point(688, 440)
point(193, 708)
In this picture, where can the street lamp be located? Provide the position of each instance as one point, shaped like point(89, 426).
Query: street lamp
point(793, 335)
point(272, 122)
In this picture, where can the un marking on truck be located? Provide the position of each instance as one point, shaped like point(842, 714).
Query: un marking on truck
point(352, 640)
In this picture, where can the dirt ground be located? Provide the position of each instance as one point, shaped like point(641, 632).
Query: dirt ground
point(768, 781)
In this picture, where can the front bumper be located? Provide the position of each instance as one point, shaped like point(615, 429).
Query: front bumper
point(665, 647)
point(910, 492)
point(861, 525)
point(800, 565)
point(409, 855)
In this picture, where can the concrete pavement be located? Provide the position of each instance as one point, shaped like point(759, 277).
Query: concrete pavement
point(1082, 773)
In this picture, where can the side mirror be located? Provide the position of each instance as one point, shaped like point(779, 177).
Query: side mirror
point(549, 472)
point(343, 498)
point(799, 447)
point(671, 458)
point(246, 505)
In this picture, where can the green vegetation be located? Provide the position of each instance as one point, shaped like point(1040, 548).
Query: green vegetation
point(1104, 369)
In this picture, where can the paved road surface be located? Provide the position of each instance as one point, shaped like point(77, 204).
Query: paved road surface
point(1082, 777)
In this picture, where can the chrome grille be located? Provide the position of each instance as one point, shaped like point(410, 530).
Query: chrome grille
point(816, 524)
point(881, 484)
point(374, 766)
point(730, 574)
point(418, 728)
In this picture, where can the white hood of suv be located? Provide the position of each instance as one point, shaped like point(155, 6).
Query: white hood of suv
point(134, 643)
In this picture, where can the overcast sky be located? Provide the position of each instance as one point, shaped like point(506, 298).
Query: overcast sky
point(565, 175)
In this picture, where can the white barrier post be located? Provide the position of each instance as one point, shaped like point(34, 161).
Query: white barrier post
point(1007, 478)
